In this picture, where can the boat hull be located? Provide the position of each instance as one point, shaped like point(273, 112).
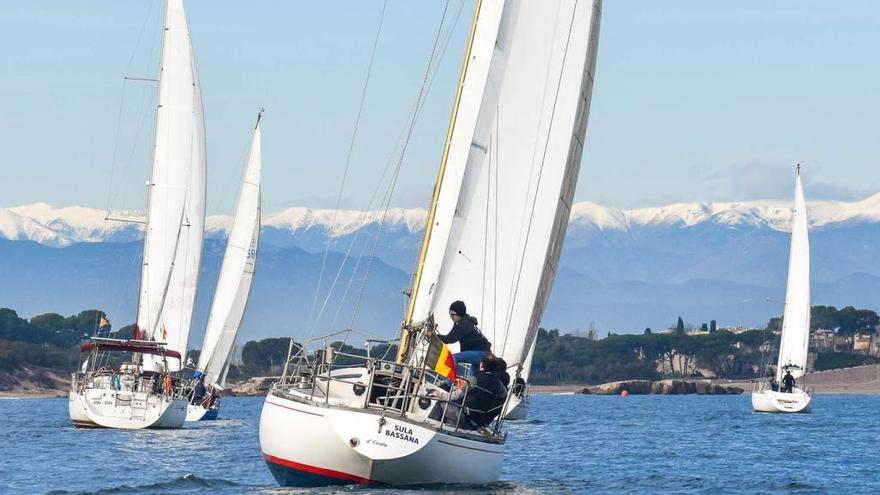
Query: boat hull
point(195, 412)
point(103, 408)
point(797, 401)
point(307, 445)
point(518, 409)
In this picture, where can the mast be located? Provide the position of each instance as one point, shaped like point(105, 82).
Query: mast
point(429, 222)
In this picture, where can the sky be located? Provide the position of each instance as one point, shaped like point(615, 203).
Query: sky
point(693, 100)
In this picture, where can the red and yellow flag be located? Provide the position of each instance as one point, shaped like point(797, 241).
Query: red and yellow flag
point(164, 333)
point(440, 359)
point(104, 322)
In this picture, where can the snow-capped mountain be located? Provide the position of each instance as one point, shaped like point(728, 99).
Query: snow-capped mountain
point(55, 227)
point(623, 269)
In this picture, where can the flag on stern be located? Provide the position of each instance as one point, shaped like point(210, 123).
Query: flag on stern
point(440, 359)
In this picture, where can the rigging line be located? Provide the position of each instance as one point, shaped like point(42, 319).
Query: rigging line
point(495, 242)
point(121, 105)
point(399, 165)
point(541, 173)
point(414, 114)
point(354, 133)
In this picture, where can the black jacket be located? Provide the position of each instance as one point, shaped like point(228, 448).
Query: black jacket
point(485, 399)
point(466, 334)
point(788, 381)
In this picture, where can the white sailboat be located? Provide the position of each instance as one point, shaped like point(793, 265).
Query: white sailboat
point(493, 237)
point(232, 293)
point(143, 393)
point(793, 347)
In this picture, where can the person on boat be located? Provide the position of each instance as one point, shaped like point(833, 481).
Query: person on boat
point(474, 346)
point(787, 382)
point(199, 390)
point(519, 387)
point(479, 402)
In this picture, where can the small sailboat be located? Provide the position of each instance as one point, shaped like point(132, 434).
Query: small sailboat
point(768, 396)
point(232, 293)
point(146, 391)
point(493, 236)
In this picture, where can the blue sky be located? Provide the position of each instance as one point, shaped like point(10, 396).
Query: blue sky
point(694, 100)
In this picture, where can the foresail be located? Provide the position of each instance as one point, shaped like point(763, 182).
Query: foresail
point(504, 204)
point(236, 273)
point(176, 208)
point(794, 344)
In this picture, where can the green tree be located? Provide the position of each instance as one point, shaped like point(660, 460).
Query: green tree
point(679, 327)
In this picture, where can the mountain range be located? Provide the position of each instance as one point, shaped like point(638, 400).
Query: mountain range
point(621, 270)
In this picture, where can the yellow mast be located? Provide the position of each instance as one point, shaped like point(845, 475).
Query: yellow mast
point(429, 223)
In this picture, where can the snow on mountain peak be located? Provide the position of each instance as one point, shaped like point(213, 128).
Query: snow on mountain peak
point(42, 223)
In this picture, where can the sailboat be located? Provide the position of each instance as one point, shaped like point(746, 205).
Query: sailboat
point(493, 236)
point(145, 391)
point(767, 397)
point(231, 295)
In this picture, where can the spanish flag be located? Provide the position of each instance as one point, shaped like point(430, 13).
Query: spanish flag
point(104, 322)
point(164, 333)
point(440, 359)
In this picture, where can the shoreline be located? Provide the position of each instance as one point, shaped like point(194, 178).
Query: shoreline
point(858, 380)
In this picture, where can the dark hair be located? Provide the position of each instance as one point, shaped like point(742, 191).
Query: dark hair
point(489, 362)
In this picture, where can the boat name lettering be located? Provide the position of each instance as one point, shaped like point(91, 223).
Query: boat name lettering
point(402, 433)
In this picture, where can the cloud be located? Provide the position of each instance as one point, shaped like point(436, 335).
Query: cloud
point(761, 181)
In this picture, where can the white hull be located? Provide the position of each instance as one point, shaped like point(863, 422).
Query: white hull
point(518, 409)
point(195, 412)
point(104, 408)
point(781, 402)
point(306, 444)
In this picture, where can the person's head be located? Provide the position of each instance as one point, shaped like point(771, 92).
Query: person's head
point(457, 311)
point(489, 363)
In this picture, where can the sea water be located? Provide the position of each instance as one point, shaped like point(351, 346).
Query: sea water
point(570, 444)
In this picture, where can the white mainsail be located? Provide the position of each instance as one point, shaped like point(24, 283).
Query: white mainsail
point(176, 209)
point(506, 187)
point(236, 273)
point(796, 318)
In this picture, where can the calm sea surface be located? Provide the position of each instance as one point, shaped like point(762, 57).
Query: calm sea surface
point(572, 444)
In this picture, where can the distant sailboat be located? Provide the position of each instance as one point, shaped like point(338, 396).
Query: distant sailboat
point(493, 237)
point(232, 293)
point(144, 393)
point(795, 340)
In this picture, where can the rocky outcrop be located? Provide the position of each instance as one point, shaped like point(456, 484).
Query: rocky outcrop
point(34, 380)
point(258, 385)
point(662, 387)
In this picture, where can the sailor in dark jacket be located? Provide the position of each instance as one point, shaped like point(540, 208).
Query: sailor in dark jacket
point(473, 345)
point(485, 394)
point(787, 382)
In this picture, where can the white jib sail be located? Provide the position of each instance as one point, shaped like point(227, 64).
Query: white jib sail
point(176, 208)
point(507, 187)
point(796, 318)
point(236, 273)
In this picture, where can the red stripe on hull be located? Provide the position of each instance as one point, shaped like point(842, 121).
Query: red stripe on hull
point(316, 470)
